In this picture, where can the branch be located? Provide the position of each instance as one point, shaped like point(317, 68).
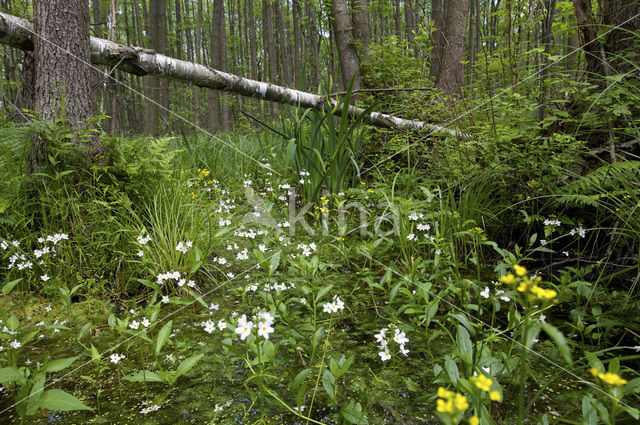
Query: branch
point(19, 33)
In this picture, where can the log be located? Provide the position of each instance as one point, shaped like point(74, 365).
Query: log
point(19, 33)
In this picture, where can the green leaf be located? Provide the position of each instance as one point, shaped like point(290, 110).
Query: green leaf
point(560, 340)
point(9, 286)
point(163, 336)
point(60, 400)
point(10, 374)
point(13, 323)
point(465, 347)
point(353, 413)
point(299, 378)
point(186, 365)
point(322, 292)
point(274, 263)
point(144, 376)
point(411, 385)
point(59, 364)
point(452, 369)
point(35, 393)
point(95, 355)
point(329, 384)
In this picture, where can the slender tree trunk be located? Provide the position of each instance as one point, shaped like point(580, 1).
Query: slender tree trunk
point(271, 65)
point(296, 14)
point(437, 54)
point(410, 20)
point(111, 84)
point(253, 48)
point(621, 44)
point(342, 26)
point(361, 26)
point(156, 89)
point(198, 47)
point(451, 76)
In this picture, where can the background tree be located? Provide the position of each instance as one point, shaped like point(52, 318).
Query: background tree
point(156, 88)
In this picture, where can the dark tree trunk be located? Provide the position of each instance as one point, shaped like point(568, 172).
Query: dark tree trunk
point(451, 76)
point(438, 16)
point(622, 43)
point(342, 26)
point(593, 49)
point(296, 14)
point(62, 69)
point(361, 26)
point(198, 48)
point(156, 89)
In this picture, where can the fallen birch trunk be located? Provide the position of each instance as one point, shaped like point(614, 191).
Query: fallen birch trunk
point(19, 33)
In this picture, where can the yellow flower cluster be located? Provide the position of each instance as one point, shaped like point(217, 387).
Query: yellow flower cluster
point(202, 173)
point(527, 286)
point(482, 382)
point(324, 200)
point(608, 378)
point(453, 404)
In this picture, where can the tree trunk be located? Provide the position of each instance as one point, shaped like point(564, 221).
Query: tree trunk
point(438, 17)
point(342, 26)
point(62, 54)
point(156, 89)
point(198, 48)
point(297, 44)
point(410, 20)
point(16, 32)
point(361, 26)
point(593, 49)
point(252, 42)
point(271, 64)
point(451, 77)
point(621, 43)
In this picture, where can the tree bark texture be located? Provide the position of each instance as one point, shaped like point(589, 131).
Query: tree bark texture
point(156, 89)
point(18, 32)
point(451, 75)
point(342, 27)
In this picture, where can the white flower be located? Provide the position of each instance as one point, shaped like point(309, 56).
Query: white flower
point(45, 277)
point(140, 253)
point(222, 325)
point(145, 322)
point(48, 308)
point(382, 335)
point(115, 358)
point(485, 292)
point(400, 337)
point(244, 328)
point(264, 329)
point(165, 299)
point(384, 355)
point(266, 318)
point(328, 307)
point(143, 240)
point(213, 306)
point(404, 351)
point(411, 236)
point(15, 344)
point(209, 326)
point(134, 325)
point(543, 318)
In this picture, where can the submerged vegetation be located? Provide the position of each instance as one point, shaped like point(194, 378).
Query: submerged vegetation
point(307, 268)
point(201, 280)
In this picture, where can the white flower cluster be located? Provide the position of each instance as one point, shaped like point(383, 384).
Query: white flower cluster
point(399, 337)
point(143, 240)
point(549, 222)
point(56, 238)
point(150, 409)
point(414, 216)
point(23, 264)
point(168, 275)
point(307, 250)
point(333, 307)
point(184, 246)
point(265, 328)
point(578, 230)
point(304, 174)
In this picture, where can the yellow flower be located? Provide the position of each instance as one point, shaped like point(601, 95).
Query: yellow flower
point(508, 279)
point(612, 379)
point(522, 287)
point(594, 371)
point(460, 402)
point(495, 396)
point(444, 406)
point(482, 382)
point(520, 271)
point(442, 393)
point(369, 190)
point(340, 239)
point(474, 420)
